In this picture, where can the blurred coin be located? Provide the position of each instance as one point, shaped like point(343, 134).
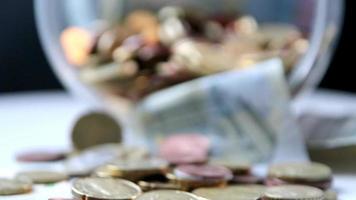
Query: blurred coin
point(247, 179)
point(313, 174)
point(133, 169)
point(202, 172)
point(279, 35)
point(171, 12)
point(190, 177)
point(95, 128)
point(213, 31)
point(109, 72)
point(246, 25)
point(167, 194)
point(42, 176)
point(104, 188)
point(77, 43)
point(236, 166)
point(185, 148)
point(243, 192)
point(40, 156)
point(330, 195)
point(14, 186)
point(148, 186)
point(171, 30)
point(295, 192)
point(83, 163)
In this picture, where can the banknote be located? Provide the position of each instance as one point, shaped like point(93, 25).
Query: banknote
point(244, 112)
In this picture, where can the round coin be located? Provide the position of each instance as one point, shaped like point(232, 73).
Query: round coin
point(43, 177)
point(167, 194)
point(236, 166)
point(295, 192)
point(300, 171)
point(95, 128)
point(14, 186)
point(246, 192)
point(105, 189)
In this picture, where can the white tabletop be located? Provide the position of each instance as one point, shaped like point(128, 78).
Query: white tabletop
point(44, 119)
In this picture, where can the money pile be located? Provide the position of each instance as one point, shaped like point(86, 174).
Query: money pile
point(182, 169)
point(150, 51)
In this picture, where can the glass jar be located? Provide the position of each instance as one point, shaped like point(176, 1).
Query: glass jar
point(320, 20)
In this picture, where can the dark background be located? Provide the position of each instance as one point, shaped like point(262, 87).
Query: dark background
point(23, 65)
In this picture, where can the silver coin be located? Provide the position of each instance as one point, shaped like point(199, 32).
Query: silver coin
point(168, 194)
point(105, 189)
point(42, 176)
point(295, 192)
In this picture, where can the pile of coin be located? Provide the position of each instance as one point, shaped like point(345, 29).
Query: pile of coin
point(150, 51)
point(118, 172)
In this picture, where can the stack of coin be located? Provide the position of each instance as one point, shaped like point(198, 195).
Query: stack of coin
point(148, 51)
point(312, 174)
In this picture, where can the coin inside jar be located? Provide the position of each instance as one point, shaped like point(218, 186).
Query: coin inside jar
point(14, 186)
point(105, 188)
point(243, 192)
point(295, 192)
point(42, 176)
point(167, 194)
point(313, 174)
point(95, 128)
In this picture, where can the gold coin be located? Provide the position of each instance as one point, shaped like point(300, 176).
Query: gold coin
point(43, 177)
point(147, 186)
point(95, 128)
point(301, 171)
point(243, 192)
point(295, 192)
point(236, 166)
point(167, 194)
point(134, 169)
point(105, 188)
point(14, 186)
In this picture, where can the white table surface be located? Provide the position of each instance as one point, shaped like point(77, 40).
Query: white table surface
point(44, 119)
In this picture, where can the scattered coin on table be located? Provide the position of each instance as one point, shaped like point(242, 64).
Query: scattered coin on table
point(14, 186)
point(42, 176)
point(104, 188)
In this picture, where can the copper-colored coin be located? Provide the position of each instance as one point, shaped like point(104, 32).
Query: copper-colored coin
point(77, 43)
point(95, 128)
point(185, 148)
